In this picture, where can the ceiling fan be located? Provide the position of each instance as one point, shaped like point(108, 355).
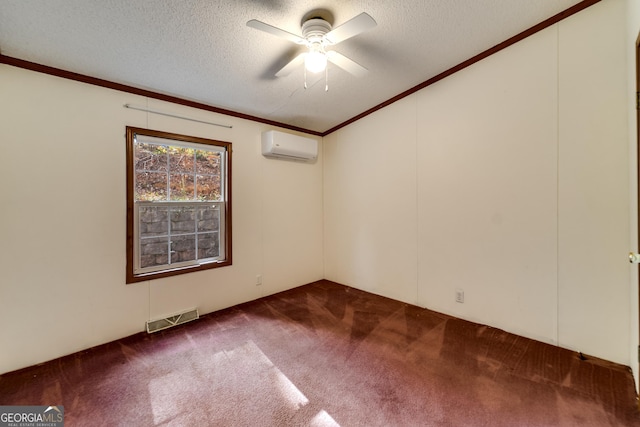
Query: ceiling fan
point(317, 35)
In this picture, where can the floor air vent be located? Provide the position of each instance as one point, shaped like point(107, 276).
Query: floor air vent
point(176, 319)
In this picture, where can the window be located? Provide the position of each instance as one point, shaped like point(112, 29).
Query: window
point(178, 204)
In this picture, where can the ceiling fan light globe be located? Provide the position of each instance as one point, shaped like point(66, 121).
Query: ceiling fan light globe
point(315, 61)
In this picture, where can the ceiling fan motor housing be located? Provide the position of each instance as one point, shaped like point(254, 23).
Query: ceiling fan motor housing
point(314, 29)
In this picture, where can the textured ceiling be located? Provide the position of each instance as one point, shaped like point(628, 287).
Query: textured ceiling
point(202, 50)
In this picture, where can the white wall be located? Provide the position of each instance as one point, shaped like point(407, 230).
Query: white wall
point(370, 203)
point(509, 180)
point(487, 190)
point(594, 190)
point(62, 222)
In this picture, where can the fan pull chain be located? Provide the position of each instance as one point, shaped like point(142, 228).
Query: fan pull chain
point(326, 79)
point(305, 77)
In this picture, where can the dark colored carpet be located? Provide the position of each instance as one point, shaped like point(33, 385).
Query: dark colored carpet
point(325, 354)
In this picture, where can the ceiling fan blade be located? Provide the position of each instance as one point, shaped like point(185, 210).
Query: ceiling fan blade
point(346, 64)
point(294, 63)
point(259, 25)
point(352, 27)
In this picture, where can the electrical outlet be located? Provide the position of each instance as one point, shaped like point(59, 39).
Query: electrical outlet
point(459, 295)
point(259, 280)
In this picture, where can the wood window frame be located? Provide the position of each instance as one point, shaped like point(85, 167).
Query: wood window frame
point(131, 276)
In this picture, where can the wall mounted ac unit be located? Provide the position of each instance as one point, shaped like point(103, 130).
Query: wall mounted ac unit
point(287, 146)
